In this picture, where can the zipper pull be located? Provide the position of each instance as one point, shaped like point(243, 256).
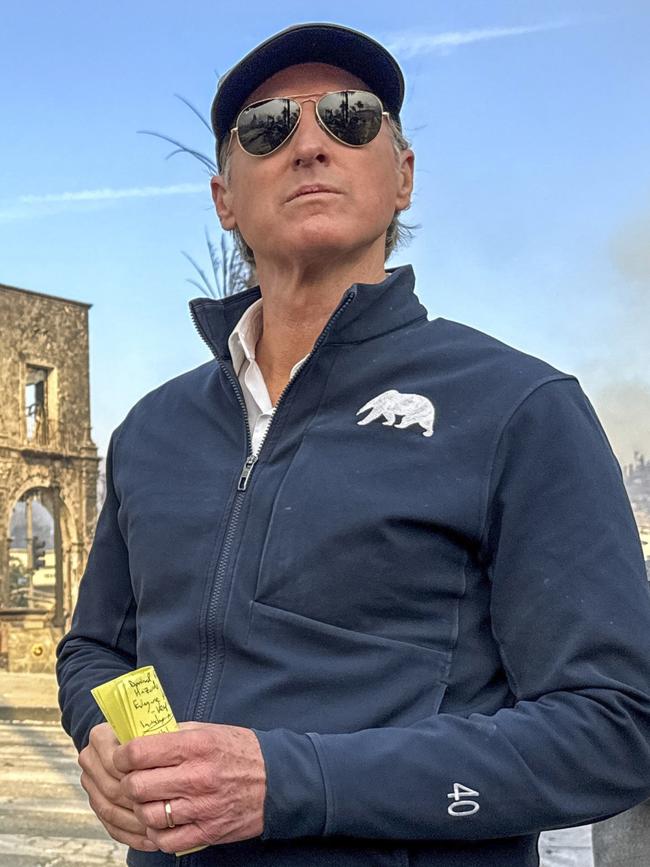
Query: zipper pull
point(246, 471)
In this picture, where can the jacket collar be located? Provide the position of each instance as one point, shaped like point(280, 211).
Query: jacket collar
point(374, 309)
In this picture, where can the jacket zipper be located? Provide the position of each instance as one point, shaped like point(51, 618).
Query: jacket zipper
point(242, 484)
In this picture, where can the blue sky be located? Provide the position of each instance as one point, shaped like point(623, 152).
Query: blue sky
point(531, 131)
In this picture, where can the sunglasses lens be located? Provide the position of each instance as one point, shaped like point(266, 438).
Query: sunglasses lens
point(353, 116)
point(263, 127)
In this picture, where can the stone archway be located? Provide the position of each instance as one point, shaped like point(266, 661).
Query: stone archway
point(32, 625)
point(65, 542)
point(32, 553)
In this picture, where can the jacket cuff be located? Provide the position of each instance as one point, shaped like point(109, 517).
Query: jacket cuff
point(294, 805)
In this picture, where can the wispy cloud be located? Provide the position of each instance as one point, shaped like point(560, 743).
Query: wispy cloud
point(411, 44)
point(110, 193)
point(32, 205)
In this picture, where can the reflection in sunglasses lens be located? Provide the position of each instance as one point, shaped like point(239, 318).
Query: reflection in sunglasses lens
point(264, 127)
point(352, 116)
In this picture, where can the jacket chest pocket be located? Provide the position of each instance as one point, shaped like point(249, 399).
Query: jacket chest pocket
point(325, 678)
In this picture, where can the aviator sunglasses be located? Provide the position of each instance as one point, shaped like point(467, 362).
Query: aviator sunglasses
point(352, 117)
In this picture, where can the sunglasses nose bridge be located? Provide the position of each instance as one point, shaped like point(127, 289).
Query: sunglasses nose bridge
point(301, 127)
point(301, 103)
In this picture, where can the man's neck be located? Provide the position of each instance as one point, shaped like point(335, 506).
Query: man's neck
point(296, 306)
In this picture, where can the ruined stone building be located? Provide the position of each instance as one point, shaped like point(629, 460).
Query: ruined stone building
point(48, 472)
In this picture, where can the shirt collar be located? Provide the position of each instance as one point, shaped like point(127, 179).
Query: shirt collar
point(244, 336)
point(370, 309)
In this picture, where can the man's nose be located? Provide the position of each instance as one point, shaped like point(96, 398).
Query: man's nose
point(310, 142)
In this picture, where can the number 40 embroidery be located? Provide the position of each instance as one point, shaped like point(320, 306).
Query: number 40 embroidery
point(460, 806)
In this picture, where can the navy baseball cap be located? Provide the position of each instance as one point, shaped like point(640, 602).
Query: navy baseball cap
point(308, 43)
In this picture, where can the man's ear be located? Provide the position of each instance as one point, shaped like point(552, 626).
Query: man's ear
point(222, 198)
point(405, 179)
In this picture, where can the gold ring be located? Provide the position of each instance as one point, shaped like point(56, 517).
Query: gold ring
point(168, 815)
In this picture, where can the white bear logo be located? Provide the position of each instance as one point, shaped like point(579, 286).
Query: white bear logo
point(414, 409)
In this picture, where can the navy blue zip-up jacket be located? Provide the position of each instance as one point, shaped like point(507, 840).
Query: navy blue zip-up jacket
point(426, 596)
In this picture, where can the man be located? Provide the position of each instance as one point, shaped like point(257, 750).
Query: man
point(385, 567)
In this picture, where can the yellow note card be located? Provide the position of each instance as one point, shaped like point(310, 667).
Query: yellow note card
point(135, 704)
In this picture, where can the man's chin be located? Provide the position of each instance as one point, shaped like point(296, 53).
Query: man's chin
point(313, 235)
point(315, 241)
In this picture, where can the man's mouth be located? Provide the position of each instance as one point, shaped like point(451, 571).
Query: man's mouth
point(310, 190)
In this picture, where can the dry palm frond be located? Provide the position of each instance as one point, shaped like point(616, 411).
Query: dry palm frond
point(231, 273)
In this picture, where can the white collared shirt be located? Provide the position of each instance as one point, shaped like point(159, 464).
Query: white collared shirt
point(241, 344)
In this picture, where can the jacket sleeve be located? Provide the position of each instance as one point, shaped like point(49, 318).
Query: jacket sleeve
point(570, 610)
point(100, 644)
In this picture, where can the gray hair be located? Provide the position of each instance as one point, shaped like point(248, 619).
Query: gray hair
point(397, 234)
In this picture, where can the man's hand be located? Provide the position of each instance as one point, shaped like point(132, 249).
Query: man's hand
point(213, 776)
point(101, 780)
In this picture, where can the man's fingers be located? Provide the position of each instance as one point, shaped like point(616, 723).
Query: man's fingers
point(106, 758)
point(109, 785)
point(103, 741)
point(154, 816)
point(158, 784)
point(136, 841)
point(154, 751)
point(101, 745)
point(111, 812)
